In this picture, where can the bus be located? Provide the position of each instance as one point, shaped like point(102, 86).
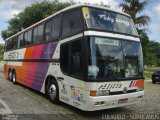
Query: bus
point(87, 56)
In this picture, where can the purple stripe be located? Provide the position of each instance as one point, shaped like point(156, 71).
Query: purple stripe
point(47, 53)
point(131, 84)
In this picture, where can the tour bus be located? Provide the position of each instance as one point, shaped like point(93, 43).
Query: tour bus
point(87, 56)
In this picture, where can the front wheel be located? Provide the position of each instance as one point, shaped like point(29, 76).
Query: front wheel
point(53, 92)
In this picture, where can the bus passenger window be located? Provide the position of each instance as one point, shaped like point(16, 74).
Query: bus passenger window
point(48, 31)
point(38, 34)
point(28, 37)
point(21, 40)
point(5, 46)
point(15, 42)
point(71, 23)
point(9, 44)
point(56, 28)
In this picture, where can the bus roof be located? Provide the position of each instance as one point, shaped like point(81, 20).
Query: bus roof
point(69, 8)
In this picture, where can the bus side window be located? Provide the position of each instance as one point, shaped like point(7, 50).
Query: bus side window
point(48, 30)
point(38, 34)
point(28, 37)
point(64, 57)
point(56, 28)
point(76, 58)
point(72, 23)
point(52, 29)
point(21, 40)
point(9, 44)
point(71, 58)
point(5, 46)
point(15, 42)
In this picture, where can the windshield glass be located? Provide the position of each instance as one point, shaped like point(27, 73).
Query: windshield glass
point(114, 59)
point(109, 21)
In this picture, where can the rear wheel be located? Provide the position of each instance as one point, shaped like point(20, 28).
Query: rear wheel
point(53, 91)
point(10, 75)
point(14, 80)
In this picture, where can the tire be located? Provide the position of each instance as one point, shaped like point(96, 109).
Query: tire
point(53, 92)
point(153, 81)
point(10, 75)
point(14, 79)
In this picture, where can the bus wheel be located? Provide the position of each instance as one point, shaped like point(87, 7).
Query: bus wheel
point(14, 77)
point(53, 92)
point(10, 75)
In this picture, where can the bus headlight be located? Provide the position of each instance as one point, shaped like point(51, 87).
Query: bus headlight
point(99, 93)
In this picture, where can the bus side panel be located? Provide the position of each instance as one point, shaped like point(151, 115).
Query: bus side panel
point(34, 67)
point(42, 67)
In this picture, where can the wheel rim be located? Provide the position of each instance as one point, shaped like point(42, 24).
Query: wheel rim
point(52, 91)
point(14, 78)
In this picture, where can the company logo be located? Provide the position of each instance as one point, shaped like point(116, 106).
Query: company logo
point(109, 86)
point(13, 55)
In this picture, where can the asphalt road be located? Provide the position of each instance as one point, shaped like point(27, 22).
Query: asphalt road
point(20, 102)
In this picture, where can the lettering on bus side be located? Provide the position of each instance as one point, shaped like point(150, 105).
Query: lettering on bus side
point(109, 86)
point(13, 55)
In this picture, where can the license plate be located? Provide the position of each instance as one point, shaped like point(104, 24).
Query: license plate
point(123, 100)
point(157, 77)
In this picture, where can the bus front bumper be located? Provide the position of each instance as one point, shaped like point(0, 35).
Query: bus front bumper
point(105, 102)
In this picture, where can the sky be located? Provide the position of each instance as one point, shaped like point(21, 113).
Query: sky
point(10, 8)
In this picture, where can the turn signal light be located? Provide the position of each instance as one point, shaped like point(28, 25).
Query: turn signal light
point(92, 93)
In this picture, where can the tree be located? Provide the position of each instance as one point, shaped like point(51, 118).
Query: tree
point(153, 50)
point(1, 52)
point(133, 7)
point(31, 15)
point(145, 45)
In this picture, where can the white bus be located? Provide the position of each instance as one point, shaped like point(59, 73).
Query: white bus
point(87, 56)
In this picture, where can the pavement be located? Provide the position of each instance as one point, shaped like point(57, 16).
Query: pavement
point(19, 102)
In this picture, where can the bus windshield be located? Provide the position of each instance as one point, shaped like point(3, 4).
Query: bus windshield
point(114, 59)
point(100, 19)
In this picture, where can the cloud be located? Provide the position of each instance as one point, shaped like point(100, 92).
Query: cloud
point(156, 10)
point(111, 3)
point(9, 8)
point(155, 26)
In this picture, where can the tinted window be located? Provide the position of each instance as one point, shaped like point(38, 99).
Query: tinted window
point(5, 47)
point(28, 37)
point(64, 55)
point(15, 42)
point(8, 44)
point(52, 29)
point(76, 58)
point(48, 31)
point(38, 34)
point(71, 23)
point(56, 28)
point(71, 58)
point(21, 40)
